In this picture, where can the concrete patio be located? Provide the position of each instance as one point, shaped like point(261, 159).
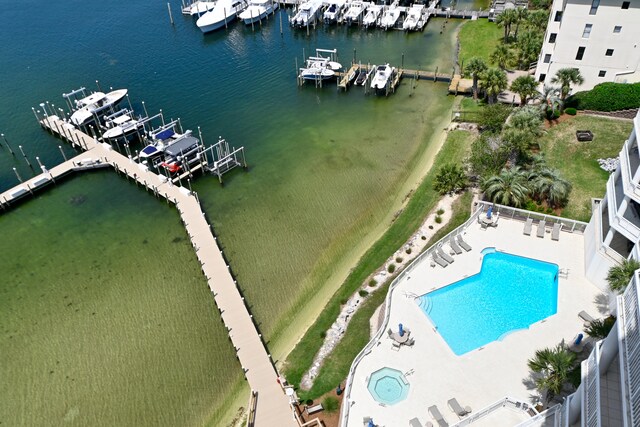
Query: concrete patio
point(485, 375)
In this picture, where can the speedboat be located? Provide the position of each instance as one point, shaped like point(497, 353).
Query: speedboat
point(382, 76)
point(390, 16)
point(94, 105)
point(413, 16)
point(257, 10)
point(181, 152)
point(160, 138)
point(333, 11)
point(122, 124)
point(224, 12)
point(307, 13)
point(319, 68)
point(354, 13)
point(372, 15)
point(198, 7)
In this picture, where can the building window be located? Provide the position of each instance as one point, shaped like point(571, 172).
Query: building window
point(580, 53)
point(542, 77)
point(587, 31)
point(609, 52)
point(602, 73)
point(552, 37)
point(617, 29)
point(594, 7)
point(558, 16)
point(625, 4)
point(547, 58)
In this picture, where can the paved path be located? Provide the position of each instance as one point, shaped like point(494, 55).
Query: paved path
point(272, 405)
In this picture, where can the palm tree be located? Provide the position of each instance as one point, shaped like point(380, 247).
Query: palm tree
point(520, 15)
point(552, 366)
point(476, 67)
point(550, 101)
point(566, 77)
point(450, 179)
point(508, 188)
point(620, 275)
point(537, 20)
point(525, 87)
point(600, 328)
point(506, 19)
point(494, 81)
point(548, 185)
point(529, 45)
point(501, 56)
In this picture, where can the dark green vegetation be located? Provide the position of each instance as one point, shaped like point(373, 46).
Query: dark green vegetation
point(600, 328)
point(607, 97)
point(619, 275)
point(337, 364)
point(450, 178)
point(106, 318)
point(551, 368)
point(577, 161)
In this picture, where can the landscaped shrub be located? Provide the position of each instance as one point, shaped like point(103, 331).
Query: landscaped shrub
point(607, 97)
point(440, 211)
point(373, 282)
point(363, 293)
point(398, 260)
point(438, 219)
point(330, 404)
point(391, 268)
point(408, 251)
point(570, 111)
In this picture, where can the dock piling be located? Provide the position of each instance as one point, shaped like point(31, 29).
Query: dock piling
point(7, 144)
point(62, 152)
point(24, 155)
point(170, 15)
point(17, 174)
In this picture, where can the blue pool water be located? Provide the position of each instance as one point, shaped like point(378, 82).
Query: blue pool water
point(509, 293)
point(388, 386)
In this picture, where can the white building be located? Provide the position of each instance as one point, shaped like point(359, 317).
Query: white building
point(599, 37)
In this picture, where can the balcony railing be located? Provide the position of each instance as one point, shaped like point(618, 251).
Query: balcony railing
point(616, 219)
point(631, 188)
point(629, 344)
point(591, 397)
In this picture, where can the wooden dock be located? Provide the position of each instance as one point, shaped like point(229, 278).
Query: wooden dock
point(272, 406)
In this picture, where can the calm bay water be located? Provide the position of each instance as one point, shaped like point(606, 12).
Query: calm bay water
point(324, 169)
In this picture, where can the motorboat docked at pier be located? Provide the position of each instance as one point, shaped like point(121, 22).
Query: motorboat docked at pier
point(258, 10)
point(319, 68)
point(381, 79)
point(334, 11)
point(414, 16)
point(198, 7)
point(95, 105)
point(307, 13)
point(372, 15)
point(182, 152)
point(354, 12)
point(123, 124)
point(390, 16)
point(224, 12)
point(161, 138)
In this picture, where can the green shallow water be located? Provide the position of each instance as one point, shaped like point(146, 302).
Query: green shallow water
point(324, 170)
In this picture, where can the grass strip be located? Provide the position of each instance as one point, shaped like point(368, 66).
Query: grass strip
point(336, 366)
point(478, 39)
point(578, 161)
point(422, 201)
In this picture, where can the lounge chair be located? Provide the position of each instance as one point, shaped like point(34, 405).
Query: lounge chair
point(414, 422)
point(555, 233)
point(436, 415)
point(457, 408)
point(541, 227)
point(445, 256)
point(439, 261)
point(577, 344)
point(464, 245)
point(527, 227)
point(455, 246)
point(586, 317)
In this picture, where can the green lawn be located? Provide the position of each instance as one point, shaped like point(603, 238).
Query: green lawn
point(478, 39)
point(577, 161)
point(337, 365)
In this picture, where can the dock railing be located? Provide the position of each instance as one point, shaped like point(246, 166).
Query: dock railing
point(568, 225)
point(507, 402)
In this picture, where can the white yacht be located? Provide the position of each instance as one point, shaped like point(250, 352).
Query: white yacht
point(382, 76)
point(94, 105)
point(413, 17)
point(307, 13)
point(372, 15)
point(355, 12)
point(390, 16)
point(258, 10)
point(122, 124)
point(224, 12)
point(333, 11)
point(319, 68)
point(198, 7)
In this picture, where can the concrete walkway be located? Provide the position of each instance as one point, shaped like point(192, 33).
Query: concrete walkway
point(272, 405)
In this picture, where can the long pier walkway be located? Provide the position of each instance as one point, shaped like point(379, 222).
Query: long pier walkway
point(272, 406)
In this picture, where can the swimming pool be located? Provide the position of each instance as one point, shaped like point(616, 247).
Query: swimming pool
point(388, 386)
point(509, 293)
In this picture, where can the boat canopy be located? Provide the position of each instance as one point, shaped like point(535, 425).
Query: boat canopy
point(182, 145)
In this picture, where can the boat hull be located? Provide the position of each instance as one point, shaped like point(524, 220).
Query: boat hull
point(266, 11)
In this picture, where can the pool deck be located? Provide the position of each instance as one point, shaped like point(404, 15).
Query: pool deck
point(482, 376)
